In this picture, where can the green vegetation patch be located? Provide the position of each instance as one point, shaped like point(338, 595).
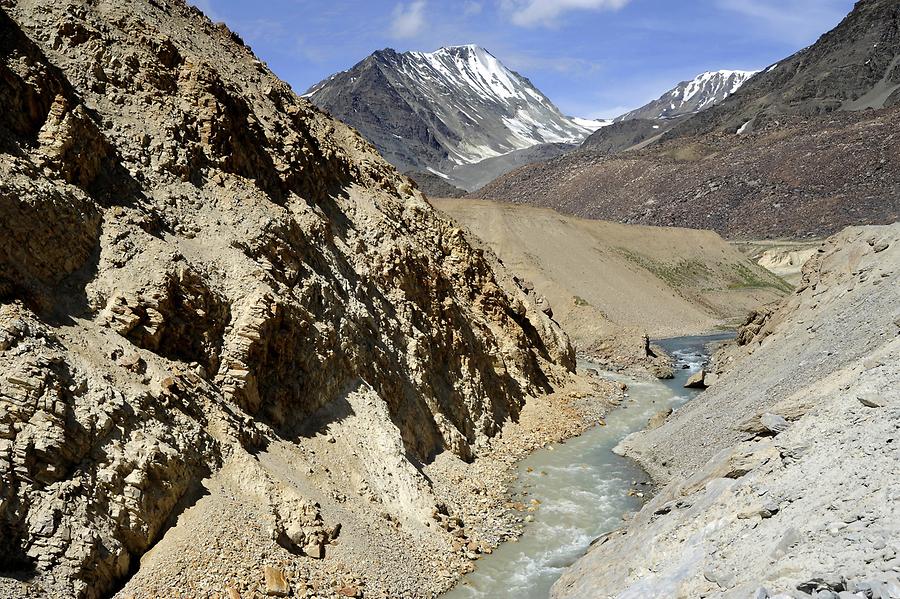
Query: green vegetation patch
point(750, 278)
point(695, 275)
point(681, 274)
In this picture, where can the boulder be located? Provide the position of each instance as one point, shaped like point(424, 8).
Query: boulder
point(696, 381)
point(276, 584)
point(773, 423)
point(543, 304)
point(870, 400)
point(659, 419)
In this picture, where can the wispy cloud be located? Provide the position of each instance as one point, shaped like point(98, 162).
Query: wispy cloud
point(471, 7)
point(525, 62)
point(409, 20)
point(537, 13)
point(800, 21)
point(259, 30)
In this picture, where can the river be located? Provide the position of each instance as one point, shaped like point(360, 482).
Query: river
point(583, 488)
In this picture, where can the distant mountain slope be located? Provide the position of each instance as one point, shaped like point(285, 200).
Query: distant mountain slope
point(622, 135)
point(803, 177)
point(601, 276)
point(643, 125)
point(439, 110)
point(853, 67)
point(808, 161)
point(435, 186)
point(481, 173)
point(690, 97)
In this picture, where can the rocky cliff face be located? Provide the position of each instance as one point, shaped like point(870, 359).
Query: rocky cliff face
point(197, 266)
point(781, 479)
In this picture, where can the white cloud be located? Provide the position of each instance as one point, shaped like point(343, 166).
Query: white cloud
point(472, 8)
point(533, 13)
point(800, 21)
point(409, 19)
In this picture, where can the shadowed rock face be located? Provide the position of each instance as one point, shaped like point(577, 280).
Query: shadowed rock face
point(194, 262)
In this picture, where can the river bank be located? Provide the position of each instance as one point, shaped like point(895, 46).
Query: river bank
point(780, 480)
point(571, 493)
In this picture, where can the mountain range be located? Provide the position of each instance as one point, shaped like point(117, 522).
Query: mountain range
point(457, 118)
point(802, 149)
point(435, 112)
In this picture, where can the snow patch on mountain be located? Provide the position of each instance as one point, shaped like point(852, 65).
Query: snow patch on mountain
point(690, 97)
point(471, 104)
point(592, 124)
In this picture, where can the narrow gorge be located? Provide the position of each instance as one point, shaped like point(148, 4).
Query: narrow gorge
point(242, 355)
point(576, 491)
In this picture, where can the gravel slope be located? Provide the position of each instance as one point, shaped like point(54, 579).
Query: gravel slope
point(782, 476)
point(601, 276)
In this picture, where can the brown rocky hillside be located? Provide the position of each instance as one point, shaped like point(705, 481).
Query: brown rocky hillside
point(796, 177)
point(219, 306)
point(803, 149)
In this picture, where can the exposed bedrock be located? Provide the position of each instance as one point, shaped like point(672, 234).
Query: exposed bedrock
point(197, 266)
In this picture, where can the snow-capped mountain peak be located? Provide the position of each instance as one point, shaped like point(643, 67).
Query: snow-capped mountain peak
point(712, 86)
point(689, 97)
point(479, 68)
point(454, 106)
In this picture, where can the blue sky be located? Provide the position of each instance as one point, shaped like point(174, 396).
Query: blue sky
point(593, 58)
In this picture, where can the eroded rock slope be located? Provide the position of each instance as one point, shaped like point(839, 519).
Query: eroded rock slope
point(197, 266)
point(782, 478)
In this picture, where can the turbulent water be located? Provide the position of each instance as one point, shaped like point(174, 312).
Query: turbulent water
point(583, 488)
